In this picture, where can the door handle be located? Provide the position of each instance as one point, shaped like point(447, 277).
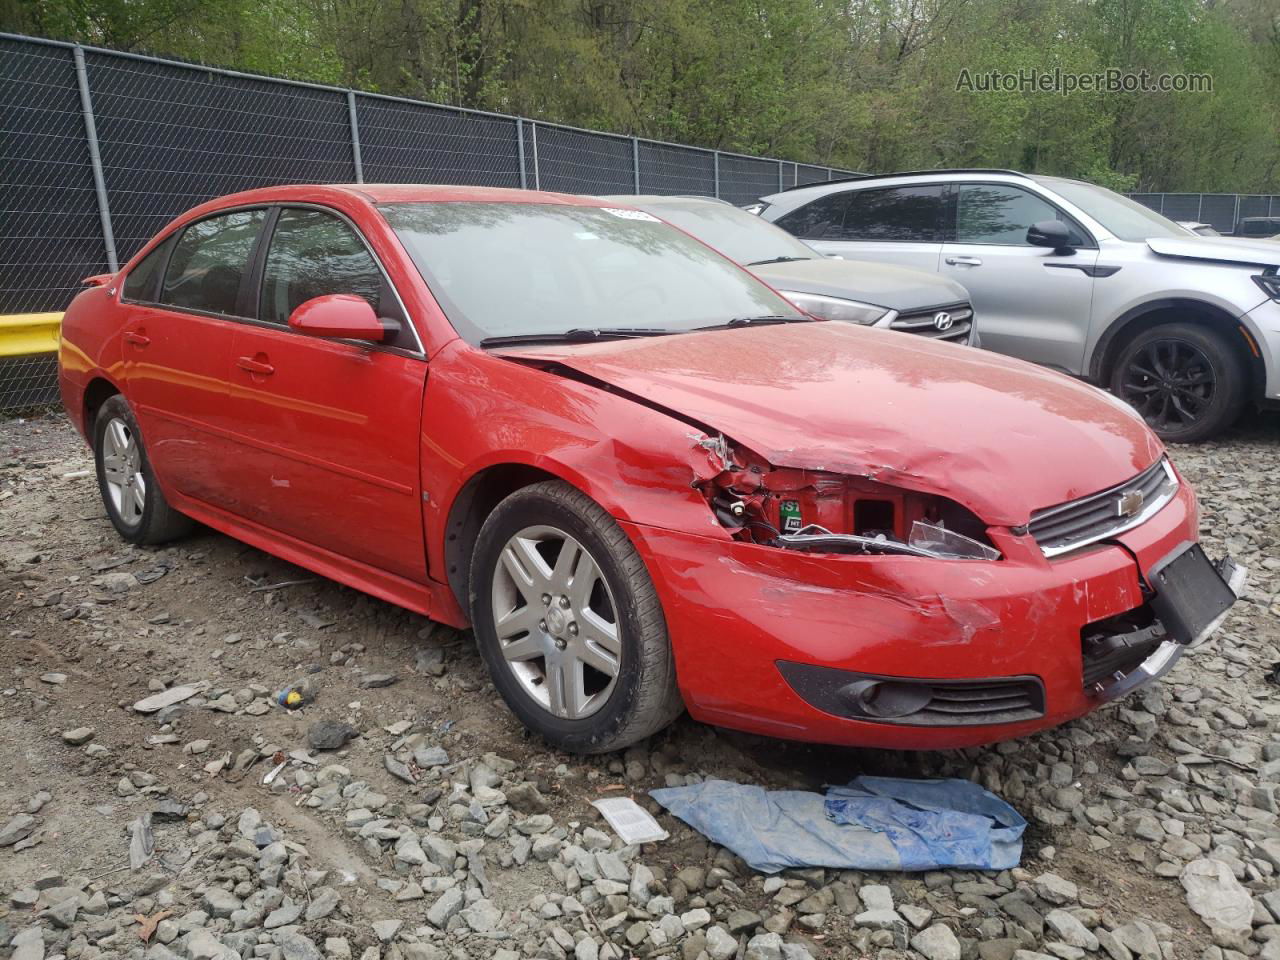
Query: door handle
point(137, 339)
point(255, 366)
point(964, 261)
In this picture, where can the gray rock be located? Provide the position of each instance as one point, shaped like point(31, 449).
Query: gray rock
point(876, 897)
point(719, 945)
point(386, 930)
point(373, 680)
point(764, 946)
point(330, 734)
point(294, 946)
point(78, 736)
point(449, 903)
point(283, 916)
point(1216, 896)
point(219, 903)
point(28, 944)
point(1070, 930)
point(482, 916)
point(1056, 890)
point(427, 757)
point(18, 828)
point(937, 943)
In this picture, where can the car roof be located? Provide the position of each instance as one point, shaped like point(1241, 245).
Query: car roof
point(377, 193)
point(662, 200)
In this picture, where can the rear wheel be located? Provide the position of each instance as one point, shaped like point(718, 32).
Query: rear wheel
point(569, 623)
point(1187, 381)
point(134, 501)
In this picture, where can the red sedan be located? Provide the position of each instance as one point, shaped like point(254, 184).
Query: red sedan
point(643, 478)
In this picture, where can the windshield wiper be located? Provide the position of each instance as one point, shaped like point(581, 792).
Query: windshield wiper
point(575, 335)
point(757, 321)
point(761, 263)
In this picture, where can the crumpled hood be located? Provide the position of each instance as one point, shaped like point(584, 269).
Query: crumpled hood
point(998, 435)
point(897, 288)
point(1223, 249)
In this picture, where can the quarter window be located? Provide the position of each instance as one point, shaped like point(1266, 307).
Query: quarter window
point(313, 254)
point(900, 214)
point(210, 261)
point(997, 214)
point(819, 220)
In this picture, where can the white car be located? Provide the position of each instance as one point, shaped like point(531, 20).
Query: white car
point(1075, 277)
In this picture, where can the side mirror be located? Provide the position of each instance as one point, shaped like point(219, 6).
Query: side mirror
point(339, 316)
point(1050, 233)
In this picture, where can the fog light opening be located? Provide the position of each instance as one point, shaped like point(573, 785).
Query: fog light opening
point(887, 699)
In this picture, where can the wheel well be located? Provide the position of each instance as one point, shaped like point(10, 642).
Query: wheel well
point(470, 509)
point(95, 395)
point(1122, 333)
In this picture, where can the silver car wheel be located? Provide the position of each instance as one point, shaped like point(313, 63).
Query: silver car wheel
point(556, 623)
point(122, 470)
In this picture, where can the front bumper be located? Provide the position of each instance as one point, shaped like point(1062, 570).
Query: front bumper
point(736, 611)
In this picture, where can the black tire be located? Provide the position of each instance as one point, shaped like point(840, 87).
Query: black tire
point(1188, 381)
point(157, 522)
point(643, 697)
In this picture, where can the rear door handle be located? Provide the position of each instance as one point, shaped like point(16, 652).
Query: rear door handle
point(137, 339)
point(255, 366)
point(964, 261)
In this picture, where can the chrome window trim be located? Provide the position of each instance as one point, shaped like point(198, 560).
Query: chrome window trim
point(1149, 510)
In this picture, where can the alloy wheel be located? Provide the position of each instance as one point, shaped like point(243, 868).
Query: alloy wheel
point(122, 470)
point(1170, 382)
point(556, 622)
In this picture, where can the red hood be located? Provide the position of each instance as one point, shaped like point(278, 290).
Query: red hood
point(1001, 436)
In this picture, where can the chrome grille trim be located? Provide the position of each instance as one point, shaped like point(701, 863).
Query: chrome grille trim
point(1070, 526)
point(920, 322)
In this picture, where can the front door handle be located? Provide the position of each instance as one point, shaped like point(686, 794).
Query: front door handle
point(964, 261)
point(255, 366)
point(137, 339)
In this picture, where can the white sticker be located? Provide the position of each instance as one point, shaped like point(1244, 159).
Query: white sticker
point(631, 214)
point(631, 821)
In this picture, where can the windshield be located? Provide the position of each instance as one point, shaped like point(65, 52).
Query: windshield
point(735, 233)
point(508, 269)
point(1127, 219)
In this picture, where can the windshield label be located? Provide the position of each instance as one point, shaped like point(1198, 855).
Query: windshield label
point(631, 214)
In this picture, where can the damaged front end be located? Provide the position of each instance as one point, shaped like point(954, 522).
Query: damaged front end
point(822, 512)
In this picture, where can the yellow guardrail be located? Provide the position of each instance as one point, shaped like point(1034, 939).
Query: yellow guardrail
point(23, 334)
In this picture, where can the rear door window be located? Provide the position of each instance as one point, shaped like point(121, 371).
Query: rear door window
point(210, 262)
point(898, 214)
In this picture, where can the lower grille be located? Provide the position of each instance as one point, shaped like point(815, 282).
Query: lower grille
point(916, 702)
point(956, 328)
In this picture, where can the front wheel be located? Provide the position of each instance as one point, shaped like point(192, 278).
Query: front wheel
point(1187, 381)
point(569, 623)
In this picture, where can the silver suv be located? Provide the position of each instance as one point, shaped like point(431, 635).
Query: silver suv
point(1074, 277)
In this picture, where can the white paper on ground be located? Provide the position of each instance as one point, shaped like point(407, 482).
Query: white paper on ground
point(630, 820)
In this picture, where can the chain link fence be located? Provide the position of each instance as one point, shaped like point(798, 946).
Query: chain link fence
point(1222, 211)
point(100, 149)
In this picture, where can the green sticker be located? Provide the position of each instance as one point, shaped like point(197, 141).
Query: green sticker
point(789, 511)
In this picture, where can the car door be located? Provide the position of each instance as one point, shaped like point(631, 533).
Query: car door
point(329, 429)
point(900, 225)
point(1030, 302)
point(186, 297)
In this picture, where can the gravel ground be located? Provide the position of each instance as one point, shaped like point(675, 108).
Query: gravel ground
point(438, 829)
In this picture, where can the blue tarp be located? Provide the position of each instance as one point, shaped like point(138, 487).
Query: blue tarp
point(875, 823)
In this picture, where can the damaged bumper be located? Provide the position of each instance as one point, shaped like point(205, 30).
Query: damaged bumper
point(916, 652)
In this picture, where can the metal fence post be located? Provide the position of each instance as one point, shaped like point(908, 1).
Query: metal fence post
point(95, 158)
point(715, 166)
point(779, 176)
point(355, 136)
point(1235, 219)
point(635, 165)
point(537, 173)
point(524, 177)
